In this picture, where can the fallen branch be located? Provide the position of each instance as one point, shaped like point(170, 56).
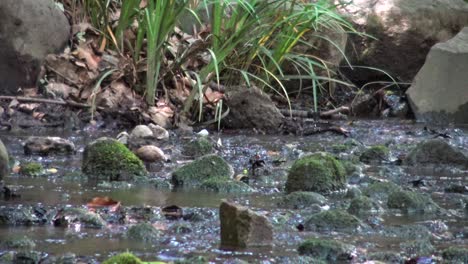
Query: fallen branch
point(312, 114)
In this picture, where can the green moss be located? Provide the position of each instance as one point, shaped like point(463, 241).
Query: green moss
point(455, 255)
point(107, 159)
point(410, 201)
point(73, 215)
point(380, 190)
point(324, 249)
point(319, 172)
point(31, 169)
point(375, 154)
point(143, 232)
point(124, 258)
point(223, 186)
point(332, 220)
point(417, 247)
point(24, 243)
point(198, 147)
point(301, 200)
point(361, 205)
point(206, 168)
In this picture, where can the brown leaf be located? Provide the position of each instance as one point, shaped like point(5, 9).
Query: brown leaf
point(212, 97)
point(86, 53)
point(28, 108)
point(105, 201)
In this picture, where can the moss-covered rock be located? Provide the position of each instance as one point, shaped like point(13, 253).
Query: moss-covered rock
point(198, 147)
point(380, 190)
point(301, 200)
point(362, 205)
point(410, 201)
point(206, 168)
point(123, 258)
point(436, 151)
point(319, 172)
point(29, 256)
point(417, 247)
point(332, 220)
point(223, 186)
point(331, 251)
point(109, 160)
point(85, 218)
point(23, 244)
point(4, 161)
point(455, 255)
point(143, 232)
point(386, 257)
point(375, 154)
point(31, 169)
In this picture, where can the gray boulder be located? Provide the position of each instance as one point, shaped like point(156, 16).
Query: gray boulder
point(436, 151)
point(29, 30)
point(402, 34)
point(4, 161)
point(439, 92)
point(242, 228)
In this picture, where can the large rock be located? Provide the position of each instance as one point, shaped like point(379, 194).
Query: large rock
point(29, 30)
point(242, 228)
point(251, 108)
point(403, 32)
point(4, 161)
point(332, 251)
point(109, 160)
point(48, 145)
point(436, 151)
point(439, 92)
point(319, 172)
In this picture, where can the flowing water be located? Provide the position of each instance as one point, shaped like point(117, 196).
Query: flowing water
point(182, 238)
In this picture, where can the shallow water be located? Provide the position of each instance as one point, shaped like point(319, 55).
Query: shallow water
point(68, 188)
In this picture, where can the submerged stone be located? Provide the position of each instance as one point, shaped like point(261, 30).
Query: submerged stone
point(143, 232)
point(410, 201)
point(436, 151)
point(319, 172)
point(455, 255)
point(417, 247)
point(198, 147)
point(223, 186)
point(362, 205)
point(301, 200)
point(331, 251)
point(23, 244)
point(332, 220)
point(375, 154)
point(242, 228)
point(48, 145)
point(380, 190)
point(206, 168)
point(109, 160)
point(70, 216)
point(123, 258)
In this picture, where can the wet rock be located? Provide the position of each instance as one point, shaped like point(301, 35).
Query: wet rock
point(23, 244)
point(48, 145)
point(209, 167)
point(109, 160)
point(400, 38)
point(30, 30)
point(364, 105)
point(353, 192)
point(319, 172)
point(242, 228)
point(251, 108)
point(454, 188)
point(123, 137)
point(150, 153)
point(417, 247)
point(141, 135)
point(398, 106)
point(20, 216)
point(31, 169)
point(380, 190)
point(27, 257)
point(77, 216)
point(331, 251)
point(386, 257)
point(143, 232)
point(301, 200)
point(411, 201)
point(362, 205)
point(407, 232)
point(198, 147)
point(428, 100)
point(4, 161)
point(159, 132)
point(332, 220)
point(123, 258)
point(436, 151)
point(223, 186)
point(375, 154)
point(455, 255)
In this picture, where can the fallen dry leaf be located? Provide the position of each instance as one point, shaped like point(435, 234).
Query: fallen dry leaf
point(86, 53)
point(105, 201)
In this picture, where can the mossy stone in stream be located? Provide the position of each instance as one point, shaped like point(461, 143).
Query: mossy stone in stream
point(362, 205)
point(223, 186)
point(455, 255)
point(31, 169)
point(319, 172)
point(123, 258)
point(206, 168)
point(331, 251)
point(332, 220)
point(4, 161)
point(380, 190)
point(410, 201)
point(198, 147)
point(68, 216)
point(109, 160)
point(301, 200)
point(143, 232)
point(23, 244)
point(417, 247)
point(375, 154)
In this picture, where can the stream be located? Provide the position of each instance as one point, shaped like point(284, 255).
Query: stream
point(199, 233)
